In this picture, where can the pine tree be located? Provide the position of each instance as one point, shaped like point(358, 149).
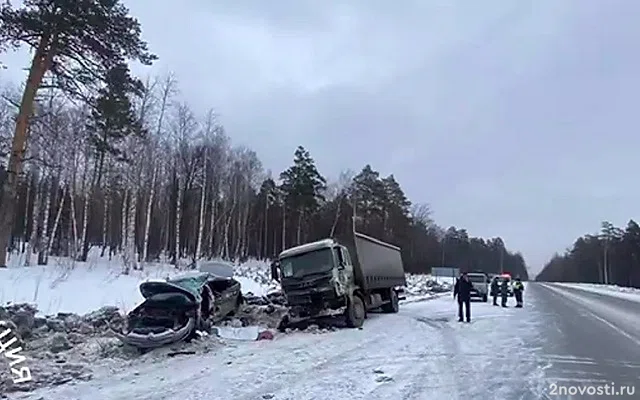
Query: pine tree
point(303, 187)
point(113, 117)
point(76, 41)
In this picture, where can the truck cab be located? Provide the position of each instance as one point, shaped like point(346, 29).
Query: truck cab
point(345, 277)
point(316, 278)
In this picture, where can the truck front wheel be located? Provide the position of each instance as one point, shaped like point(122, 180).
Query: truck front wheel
point(284, 324)
point(356, 312)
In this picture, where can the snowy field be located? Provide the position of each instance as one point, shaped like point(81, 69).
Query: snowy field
point(64, 286)
point(609, 290)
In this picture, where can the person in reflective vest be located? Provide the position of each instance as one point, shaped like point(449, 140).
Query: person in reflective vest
point(518, 288)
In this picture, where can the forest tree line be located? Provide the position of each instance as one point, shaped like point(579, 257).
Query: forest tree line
point(92, 156)
point(610, 256)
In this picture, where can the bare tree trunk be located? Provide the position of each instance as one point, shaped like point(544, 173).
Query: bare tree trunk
point(201, 217)
point(42, 253)
point(85, 223)
point(212, 222)
point(87, 193)
point(284, 227)
point(147, 224)
point(245, 229)
point(238, 236)
point(35, 219)
point(25, 228)
point(176, 248)
point(74, 222)
point(266, 227)
point(55, 224)
point(299, 229)
point(123, 219)
point(131, 261)
point(106, 219)
point(275, 239)
point(226, 250)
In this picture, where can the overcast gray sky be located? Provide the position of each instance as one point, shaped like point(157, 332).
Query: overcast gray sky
point(512, 118)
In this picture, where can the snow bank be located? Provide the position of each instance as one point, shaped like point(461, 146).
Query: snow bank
point(255, 277)
point(82, 287)
point(420, 285)
point(609, 290)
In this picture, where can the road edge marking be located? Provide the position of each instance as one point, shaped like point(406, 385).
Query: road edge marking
point(592, 314)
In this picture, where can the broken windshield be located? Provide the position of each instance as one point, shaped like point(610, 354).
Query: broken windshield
point(307, 263)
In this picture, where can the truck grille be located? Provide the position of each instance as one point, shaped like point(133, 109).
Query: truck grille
point(301, 285)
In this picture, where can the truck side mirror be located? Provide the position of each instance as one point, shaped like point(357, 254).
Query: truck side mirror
point(274, 271)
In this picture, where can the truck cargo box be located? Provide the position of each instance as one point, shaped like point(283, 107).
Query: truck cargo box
point(376, 264)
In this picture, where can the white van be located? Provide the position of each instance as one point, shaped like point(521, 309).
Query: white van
point(481, 283)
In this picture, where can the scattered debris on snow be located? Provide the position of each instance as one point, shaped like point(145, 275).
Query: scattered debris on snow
point(65, 347)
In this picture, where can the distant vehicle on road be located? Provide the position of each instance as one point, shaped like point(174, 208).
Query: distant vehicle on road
point(480, 282)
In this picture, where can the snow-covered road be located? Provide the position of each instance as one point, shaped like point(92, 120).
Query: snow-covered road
point(420, 353)
point(597, 334)
point(563, 336)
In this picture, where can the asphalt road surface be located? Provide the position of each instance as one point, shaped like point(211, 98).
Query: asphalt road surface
point(591, 339)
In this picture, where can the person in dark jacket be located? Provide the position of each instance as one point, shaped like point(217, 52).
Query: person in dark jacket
point(518, 288)
point(462, 289)
point(504, 291)
point(495, 290)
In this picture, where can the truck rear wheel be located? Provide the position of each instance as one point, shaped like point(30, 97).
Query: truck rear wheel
point(355, 313)
point(393, 306)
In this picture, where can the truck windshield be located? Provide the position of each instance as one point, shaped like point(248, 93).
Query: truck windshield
point(307, 263)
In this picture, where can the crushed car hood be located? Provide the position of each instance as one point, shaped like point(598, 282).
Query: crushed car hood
point(188, 284)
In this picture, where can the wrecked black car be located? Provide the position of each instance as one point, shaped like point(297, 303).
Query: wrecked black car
point(177, 308)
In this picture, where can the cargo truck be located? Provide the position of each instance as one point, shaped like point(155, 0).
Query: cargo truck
point(345, 277)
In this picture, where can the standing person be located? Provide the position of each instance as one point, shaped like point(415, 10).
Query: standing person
point(495, 290)
point(518, 288)
point(504, 291)
point(463, 291)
